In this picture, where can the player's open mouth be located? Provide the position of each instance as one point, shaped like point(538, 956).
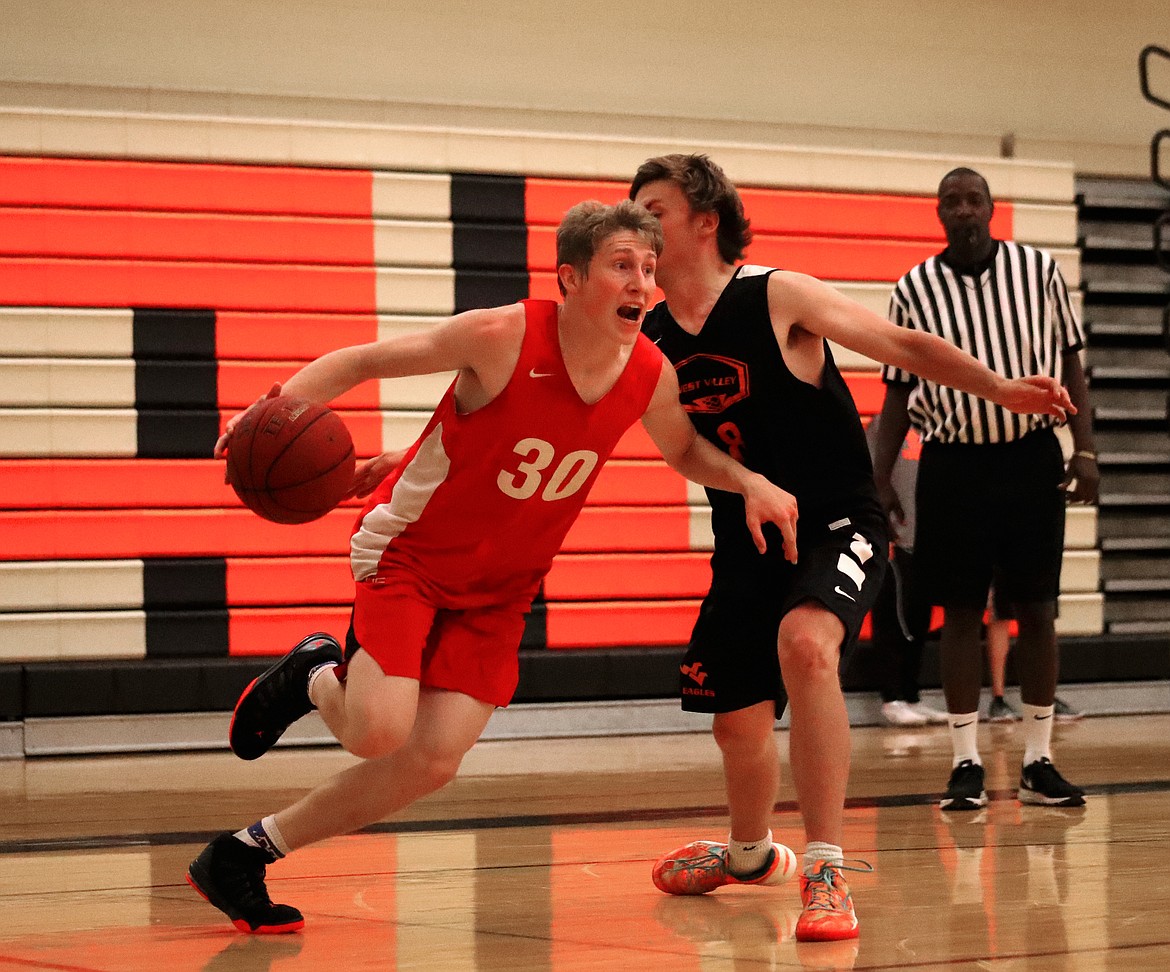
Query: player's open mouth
point(631, 312)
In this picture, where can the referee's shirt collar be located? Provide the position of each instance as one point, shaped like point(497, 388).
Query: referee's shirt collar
point(976, 271)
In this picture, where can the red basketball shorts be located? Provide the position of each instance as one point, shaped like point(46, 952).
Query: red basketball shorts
point(474, 651)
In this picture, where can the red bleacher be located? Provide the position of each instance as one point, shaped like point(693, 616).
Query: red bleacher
point(287, 259)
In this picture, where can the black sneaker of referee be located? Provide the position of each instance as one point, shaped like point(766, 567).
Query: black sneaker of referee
point(965, 788)
point(1042, 785)
point(278, 697)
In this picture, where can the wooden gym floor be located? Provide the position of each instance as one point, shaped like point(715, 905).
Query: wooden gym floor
point(538, 857)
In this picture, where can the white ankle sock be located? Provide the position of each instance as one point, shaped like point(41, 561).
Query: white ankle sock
point(964, 733)
point(818, 850)
point(313, 675)
point(1037, 732)
point(746, 856)
point(265, 835)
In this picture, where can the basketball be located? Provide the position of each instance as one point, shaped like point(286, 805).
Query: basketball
point(289, 460)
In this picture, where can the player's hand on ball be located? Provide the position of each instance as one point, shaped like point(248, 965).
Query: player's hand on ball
point(369, 474)
point(221, 444)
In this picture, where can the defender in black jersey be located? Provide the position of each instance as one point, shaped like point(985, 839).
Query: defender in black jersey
point(750, 346)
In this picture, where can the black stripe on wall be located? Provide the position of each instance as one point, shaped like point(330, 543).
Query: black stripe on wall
point(164, 333)
point(79, 688)
point(535, 628)
point(482, 288)
point(173, 434)
point(487, 198)
point(489, 246)
point(11, 692)
point(176, 384)
point(186, 582)
point(187, 634)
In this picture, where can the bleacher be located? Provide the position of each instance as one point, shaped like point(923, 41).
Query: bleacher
point(144, 302)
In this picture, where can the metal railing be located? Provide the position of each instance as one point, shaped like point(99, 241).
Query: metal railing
point(1162, 223)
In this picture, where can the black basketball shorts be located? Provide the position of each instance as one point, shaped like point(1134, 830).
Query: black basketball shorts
point(731, 662)
point(991, 514)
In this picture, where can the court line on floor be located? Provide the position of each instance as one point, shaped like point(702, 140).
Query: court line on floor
point(582, 818)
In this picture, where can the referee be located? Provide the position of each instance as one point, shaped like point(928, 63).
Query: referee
point(992, 485)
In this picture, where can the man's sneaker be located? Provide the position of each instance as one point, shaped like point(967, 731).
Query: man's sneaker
point(701, 866)
point(998, 710)
point(1063, 712)
point(1041, 784)
point(828, 906)
point(899, 713)
point(934, 716)
point(230, 875)
point(278, 697)
point(965, 788)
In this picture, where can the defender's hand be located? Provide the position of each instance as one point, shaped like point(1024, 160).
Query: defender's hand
point(369, 474)
point(1040, 395)
point(765, 502)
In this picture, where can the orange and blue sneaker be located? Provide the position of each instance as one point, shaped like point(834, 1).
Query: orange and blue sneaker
point(828, 906)
point(701, 866)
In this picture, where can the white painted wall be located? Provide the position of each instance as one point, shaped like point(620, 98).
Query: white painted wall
point(915, 74)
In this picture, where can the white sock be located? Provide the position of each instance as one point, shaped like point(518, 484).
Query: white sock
point(964, 730)
point(265, 835)
point(818, 850)
point(746, 856)
point(1037, 732)
point(324, 667)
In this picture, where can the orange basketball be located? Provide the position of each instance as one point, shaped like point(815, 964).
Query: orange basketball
point(289, 460)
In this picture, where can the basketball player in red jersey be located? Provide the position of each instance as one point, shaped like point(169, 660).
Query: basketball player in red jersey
point(450, 550)
point(772, 632)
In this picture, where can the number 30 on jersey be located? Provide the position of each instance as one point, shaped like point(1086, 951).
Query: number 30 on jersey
point(539, 467)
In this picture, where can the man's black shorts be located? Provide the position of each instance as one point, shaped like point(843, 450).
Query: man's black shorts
point(990, 514)
point(731, 662)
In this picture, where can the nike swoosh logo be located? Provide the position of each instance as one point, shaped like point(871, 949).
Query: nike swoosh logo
point(1041, 718)
point(843, 594)
point(960, 725)
point(539, 374)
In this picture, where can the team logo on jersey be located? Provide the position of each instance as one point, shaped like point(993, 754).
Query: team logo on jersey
point(708, 383)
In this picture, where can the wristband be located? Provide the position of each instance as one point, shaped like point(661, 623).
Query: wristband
point(1086, 454)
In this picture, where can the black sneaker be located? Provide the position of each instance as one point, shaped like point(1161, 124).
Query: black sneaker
point(280, 696)
point(1042, 785)
point(230, 875)
point(999, 710)
point(965, 788)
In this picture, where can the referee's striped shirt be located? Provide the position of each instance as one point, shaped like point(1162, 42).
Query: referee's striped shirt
point(1015, 317)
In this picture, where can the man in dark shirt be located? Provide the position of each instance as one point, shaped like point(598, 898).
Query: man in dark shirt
point(750, 347)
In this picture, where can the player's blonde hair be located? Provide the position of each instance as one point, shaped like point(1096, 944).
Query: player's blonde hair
point(588, 223)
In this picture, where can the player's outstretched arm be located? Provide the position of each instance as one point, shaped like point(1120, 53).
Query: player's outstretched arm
point(795, 299)
point(698, 460)
point(483, 345)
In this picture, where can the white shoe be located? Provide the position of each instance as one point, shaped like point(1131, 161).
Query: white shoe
point(933, 716)
point(899, 713)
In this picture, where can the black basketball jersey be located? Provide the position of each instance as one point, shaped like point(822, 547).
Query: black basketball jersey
point(739, 393)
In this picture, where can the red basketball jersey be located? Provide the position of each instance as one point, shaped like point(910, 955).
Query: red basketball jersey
point(484, 500)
